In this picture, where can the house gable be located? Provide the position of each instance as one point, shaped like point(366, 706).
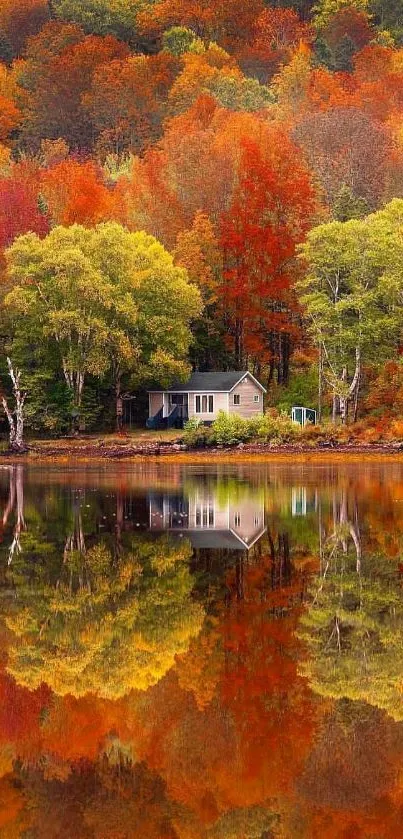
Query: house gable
point(246, 398)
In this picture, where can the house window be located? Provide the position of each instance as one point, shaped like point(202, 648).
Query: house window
point(204, 514)
point(256, 397)
point(237, 398)
point(204, 404)
point(237, 519)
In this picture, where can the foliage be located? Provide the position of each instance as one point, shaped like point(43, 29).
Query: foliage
point(100, 298)
point(230, 429)
point(353, 628)
point(302, 389)
point(178, 39)
point(101, 17)
point(227, 130)
point(352, 295)
point(117, 629)
point(268, 216)
point(347, 206)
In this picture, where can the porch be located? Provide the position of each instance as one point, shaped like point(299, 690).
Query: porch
point(172, 413)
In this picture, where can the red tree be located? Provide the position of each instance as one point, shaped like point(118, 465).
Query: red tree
point(269, 215)
point(20, 211)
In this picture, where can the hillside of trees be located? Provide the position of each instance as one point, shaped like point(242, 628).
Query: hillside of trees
point(206, 184)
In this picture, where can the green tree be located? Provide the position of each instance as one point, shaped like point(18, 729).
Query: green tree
point(343, 55)
point(325, 9)
point(101, 17)
point(102, 299)
point(348, 206)
point(177, 40)
point(6, 50)
point(352, 296)
point(388, 15)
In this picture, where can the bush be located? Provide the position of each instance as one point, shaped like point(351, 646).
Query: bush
point(196, 434)
point(279, 429)
point(231, 429)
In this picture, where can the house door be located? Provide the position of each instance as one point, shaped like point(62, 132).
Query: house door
point(179, 400)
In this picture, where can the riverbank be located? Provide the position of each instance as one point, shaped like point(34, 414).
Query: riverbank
point(149, 446)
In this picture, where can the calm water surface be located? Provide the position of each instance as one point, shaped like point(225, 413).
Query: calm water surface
point(192, 652)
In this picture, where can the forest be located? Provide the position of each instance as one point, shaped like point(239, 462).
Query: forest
point(201, 184)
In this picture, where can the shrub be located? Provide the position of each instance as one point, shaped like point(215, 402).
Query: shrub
point(229, 429)
point(196, 434)
point(279, 429)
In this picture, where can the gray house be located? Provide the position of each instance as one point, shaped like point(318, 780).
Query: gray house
point(203, 396)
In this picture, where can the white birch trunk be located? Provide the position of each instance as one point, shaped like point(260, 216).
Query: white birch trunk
point(15, 417)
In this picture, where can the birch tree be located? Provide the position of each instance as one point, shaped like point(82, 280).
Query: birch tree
point(15, 416)
point(354, 314)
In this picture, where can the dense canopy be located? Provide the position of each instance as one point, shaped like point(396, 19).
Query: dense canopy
point(248, 139)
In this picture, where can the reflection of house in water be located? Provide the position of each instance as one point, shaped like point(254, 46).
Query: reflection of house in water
point(303, 501)
point(207, 520)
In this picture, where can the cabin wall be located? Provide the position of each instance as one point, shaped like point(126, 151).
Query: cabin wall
point(220, 404)
point(155, 402)
point(246, 389)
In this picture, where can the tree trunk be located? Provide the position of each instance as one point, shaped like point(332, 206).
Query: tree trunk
point(320, 383)
point(353, 389)
point(344, 399)
point(77, 388)
point(335, 406)
point(16, 417)
point(356, 395)
point(118, 402)
point(284, 358)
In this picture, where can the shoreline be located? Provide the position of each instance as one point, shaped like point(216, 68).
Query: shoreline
point(81, 451)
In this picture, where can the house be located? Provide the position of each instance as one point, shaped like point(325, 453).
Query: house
point(203, 396)
point(208, 519)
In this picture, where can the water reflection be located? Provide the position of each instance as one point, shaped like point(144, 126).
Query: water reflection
point(210, 518)
point(201, 653)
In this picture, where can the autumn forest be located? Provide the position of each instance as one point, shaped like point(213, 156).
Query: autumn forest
point(206, 184)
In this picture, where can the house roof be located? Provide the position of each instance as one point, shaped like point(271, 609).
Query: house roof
point(211, 538)
point(213, 382)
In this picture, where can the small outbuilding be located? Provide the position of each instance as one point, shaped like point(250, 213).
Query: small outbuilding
point(303, 416)
point(203, 396)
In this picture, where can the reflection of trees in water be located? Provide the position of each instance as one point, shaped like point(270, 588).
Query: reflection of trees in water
point(15, 504)
point(102, 625)
point(232, 741)
point(75, 541)
point(353, 625)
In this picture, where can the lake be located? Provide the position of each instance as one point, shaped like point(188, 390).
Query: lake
point(201, 652)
